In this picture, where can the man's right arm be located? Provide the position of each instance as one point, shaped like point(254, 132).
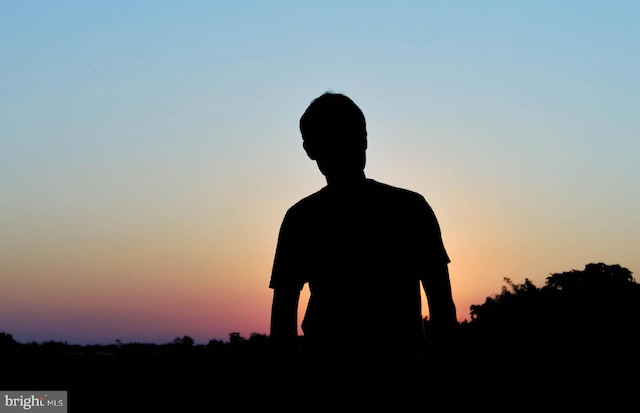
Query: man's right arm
point(284, 317)
point(286, 284)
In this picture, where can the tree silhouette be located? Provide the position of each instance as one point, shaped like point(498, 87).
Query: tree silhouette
point(187, 341)
point(592, 310)
point(7, 341)
point(594, 275)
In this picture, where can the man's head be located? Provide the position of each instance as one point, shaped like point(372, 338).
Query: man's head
point(334, 134)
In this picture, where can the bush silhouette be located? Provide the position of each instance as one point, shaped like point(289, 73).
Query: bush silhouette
point(597, 308)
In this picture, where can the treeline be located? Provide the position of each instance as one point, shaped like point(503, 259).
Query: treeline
point(179, 346)
point(599, 304)
point(573, 339)
point(594, 308)
point(580, 325)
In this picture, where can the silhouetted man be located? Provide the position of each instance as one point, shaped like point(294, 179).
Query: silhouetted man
point(362, 246)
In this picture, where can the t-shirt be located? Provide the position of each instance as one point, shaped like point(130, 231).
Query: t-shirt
point(363, 253)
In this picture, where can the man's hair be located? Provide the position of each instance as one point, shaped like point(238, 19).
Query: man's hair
point(334, 119)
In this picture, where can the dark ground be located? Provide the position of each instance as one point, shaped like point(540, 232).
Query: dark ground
point(468, 375)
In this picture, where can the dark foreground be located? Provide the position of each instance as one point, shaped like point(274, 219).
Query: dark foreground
point(468, 375)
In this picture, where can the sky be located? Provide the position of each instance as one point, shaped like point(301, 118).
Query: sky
point(149, 149)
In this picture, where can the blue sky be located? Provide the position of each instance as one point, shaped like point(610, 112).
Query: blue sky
point(156, 143)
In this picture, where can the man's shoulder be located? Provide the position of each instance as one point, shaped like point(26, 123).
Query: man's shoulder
point(308, 204)
point(375, 191)
point(396, 192)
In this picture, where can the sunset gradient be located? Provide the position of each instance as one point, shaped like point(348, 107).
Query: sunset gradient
point(149, 150)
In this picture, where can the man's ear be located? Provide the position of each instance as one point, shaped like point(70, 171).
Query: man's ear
point(308, 151)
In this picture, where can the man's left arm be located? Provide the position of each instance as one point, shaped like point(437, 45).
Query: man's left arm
point(437, 287)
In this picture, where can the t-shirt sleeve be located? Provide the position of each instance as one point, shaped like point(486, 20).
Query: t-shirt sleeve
point(287, 271)
point(434, 247)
